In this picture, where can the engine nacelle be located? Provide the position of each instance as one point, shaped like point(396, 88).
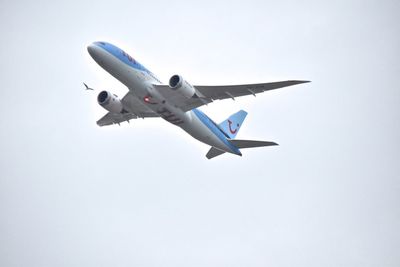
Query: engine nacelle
point(178, 84)
point(110, 102)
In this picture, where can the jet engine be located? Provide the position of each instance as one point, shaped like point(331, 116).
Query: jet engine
point(181, 86)
point(110, 102)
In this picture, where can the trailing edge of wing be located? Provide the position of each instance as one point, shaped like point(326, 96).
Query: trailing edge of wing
point(232, 91)
point(113, 118)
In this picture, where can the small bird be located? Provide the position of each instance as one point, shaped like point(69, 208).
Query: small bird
point(87, 87)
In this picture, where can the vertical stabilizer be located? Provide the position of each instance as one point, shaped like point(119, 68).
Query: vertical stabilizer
point(232, 125)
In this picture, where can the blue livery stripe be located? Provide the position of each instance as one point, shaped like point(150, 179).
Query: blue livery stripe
point(124, 57)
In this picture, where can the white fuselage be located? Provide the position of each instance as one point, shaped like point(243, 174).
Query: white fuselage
point(140, 83)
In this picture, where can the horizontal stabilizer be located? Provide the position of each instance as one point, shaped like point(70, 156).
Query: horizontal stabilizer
point(251, 143)
point(214, 152)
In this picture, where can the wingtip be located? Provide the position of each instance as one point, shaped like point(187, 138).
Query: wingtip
point(302, 81)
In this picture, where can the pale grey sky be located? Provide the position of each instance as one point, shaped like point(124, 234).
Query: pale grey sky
point(143, 194)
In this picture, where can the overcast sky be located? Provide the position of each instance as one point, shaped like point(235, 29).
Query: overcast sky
point(143, 194)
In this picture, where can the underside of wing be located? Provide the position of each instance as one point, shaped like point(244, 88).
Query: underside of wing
point(206, 93)
point(113, 118)
point(232, 91)
point(133, 109)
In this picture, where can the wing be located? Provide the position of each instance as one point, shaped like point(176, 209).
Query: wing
point(208, 94)
point(135, 109)
point(232, 91)
point(179, 100)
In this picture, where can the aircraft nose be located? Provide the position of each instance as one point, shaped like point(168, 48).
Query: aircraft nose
point(92, 49)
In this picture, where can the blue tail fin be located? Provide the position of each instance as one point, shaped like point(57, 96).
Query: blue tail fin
point(232, 125)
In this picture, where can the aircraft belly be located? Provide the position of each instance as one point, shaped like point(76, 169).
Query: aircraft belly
point(124, 73)
point(128, 77)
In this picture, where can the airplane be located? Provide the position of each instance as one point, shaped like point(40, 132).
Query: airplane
point(177, 102)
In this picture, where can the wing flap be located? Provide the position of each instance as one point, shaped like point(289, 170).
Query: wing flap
point(113, 118)
point(232, 91)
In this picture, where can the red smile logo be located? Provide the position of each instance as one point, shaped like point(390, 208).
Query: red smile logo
point(230, 127)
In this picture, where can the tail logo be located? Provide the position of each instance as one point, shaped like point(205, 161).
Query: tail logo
point(230, 127)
